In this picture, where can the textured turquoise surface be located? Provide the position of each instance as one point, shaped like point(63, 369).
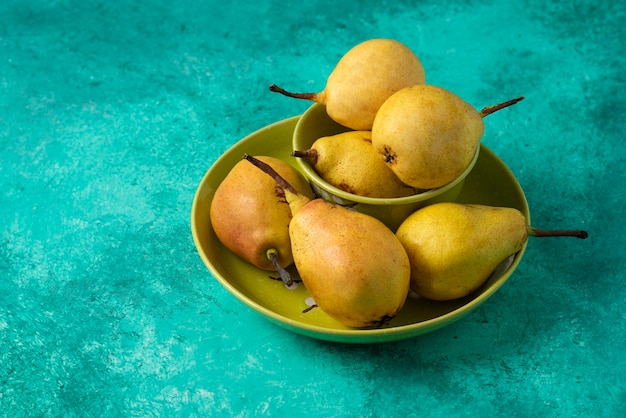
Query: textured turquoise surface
point(110, 114)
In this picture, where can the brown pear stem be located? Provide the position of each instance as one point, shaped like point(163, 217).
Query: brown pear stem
point(488, 110)
point(295, 200)
point(557, 233)
point(305, 96)
point(269, 170)
point(272, 254)
point(310, 155)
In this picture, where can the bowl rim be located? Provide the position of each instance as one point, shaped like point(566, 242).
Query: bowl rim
point(315, 178)
point(357, 336)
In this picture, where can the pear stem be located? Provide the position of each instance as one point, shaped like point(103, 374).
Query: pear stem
point(295, 200)
point(536, 232)
point(269, 170)
point(305, 96)
point(272, 254)
point(488, 110)
point(310, 155)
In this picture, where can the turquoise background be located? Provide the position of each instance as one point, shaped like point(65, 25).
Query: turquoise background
point(112, 111)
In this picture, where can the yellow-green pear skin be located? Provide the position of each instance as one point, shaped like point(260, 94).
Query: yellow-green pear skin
point(454, 248)
point(366, 76)
point(352, 264)
point(250, 215)
point(363, 79)
point(349, 162)
point(427, 134)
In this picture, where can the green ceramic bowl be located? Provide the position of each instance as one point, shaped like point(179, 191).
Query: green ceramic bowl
point(490, 183)
point(315, 123)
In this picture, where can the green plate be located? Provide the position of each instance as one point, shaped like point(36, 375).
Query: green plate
point(490, 183)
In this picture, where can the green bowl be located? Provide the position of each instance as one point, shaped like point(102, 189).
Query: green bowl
point(489, 183)
point(315, 123)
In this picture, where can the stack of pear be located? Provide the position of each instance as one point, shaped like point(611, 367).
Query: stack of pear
point(453, 248)
point(428, 135)
point(363, 79)
point(349, 162)
point(250, 215)
point(353, 266)
point(406, 136)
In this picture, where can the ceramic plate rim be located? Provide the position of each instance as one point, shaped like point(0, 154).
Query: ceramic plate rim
point(345, 335)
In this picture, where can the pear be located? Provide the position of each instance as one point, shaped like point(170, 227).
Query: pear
point(454, 247)
point(429, 135)
point(349, 162)
point(250, 215)
point(353, 266)
point(362, 79)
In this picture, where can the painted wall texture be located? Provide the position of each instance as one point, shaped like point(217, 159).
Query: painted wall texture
point(110, 114)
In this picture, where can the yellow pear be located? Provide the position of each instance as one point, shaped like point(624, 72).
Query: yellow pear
point(454, 248)
point(353, 266)
point(349, 162)
point(429, 135)
point(362, 79)
point(250, 215)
